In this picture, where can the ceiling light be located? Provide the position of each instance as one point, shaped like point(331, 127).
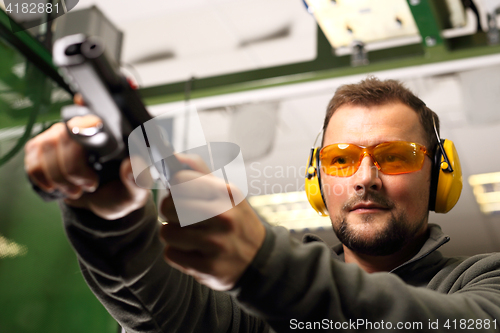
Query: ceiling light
point(10, 249)
point(290, 210)
point(486, 188)
point(344, 22)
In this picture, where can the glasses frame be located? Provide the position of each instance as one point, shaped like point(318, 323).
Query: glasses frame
point(369, 151)
point(311, 171)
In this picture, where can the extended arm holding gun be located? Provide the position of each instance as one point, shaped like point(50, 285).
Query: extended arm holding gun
point(114, 229)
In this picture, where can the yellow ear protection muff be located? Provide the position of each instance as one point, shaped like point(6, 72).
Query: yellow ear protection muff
point(313, 181)
point(446, 178)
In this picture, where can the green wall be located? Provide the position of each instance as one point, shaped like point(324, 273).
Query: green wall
point(41, 287)
point(41, 290)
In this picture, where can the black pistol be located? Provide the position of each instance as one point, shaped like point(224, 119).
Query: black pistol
point(108, 95)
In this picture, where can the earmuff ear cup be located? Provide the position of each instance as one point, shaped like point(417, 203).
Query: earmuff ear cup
point(446, 186)
point(313, 184)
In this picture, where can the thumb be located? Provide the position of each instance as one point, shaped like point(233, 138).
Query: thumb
point(134, 173)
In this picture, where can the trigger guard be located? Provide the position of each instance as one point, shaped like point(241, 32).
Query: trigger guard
point(71, 111)
point(92, 142)
point(98, 143)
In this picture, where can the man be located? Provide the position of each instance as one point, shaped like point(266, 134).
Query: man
point(233, 273)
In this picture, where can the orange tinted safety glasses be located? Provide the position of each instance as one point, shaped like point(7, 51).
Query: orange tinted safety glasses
point(391, 158)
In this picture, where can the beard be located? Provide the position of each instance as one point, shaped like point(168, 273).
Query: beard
point(397, 232)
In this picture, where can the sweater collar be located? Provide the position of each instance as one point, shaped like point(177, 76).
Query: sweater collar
point(436, 239)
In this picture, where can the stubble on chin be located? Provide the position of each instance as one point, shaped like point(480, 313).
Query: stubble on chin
point(372, 237)
point(374, 240)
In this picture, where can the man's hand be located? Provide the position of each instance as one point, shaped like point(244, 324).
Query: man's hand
point(216, 251)
point(54, 161)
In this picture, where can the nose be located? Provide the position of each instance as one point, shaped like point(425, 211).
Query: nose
point(367, 176)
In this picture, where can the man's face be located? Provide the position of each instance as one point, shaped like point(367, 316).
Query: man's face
point(373, 213)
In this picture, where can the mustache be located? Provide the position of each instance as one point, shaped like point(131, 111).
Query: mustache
point(371, 196)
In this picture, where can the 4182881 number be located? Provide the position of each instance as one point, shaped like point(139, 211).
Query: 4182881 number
point(32, 8)
point(470, 324)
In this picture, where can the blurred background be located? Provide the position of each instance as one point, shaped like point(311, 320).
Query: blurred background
point(260, 73)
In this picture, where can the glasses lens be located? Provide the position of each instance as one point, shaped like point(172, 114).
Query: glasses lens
point(340, 160)
point(399, 157)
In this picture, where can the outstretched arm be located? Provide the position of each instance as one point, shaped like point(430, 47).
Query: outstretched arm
point(299, 283)
point(114, 230)
point(122, 263)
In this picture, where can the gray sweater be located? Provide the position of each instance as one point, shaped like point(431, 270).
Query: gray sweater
point(289, 286)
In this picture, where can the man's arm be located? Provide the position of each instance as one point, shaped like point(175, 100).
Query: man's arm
point(114, 230)
point(295, 281)
point(303, 283)
point(122, 263)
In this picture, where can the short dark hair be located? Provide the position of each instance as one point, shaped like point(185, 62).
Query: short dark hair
point(372, 92)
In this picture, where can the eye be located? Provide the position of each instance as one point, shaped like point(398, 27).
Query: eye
point(394, 158)
point(340, 161)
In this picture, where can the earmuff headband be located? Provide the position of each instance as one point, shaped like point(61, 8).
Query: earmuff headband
point(443, 152)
